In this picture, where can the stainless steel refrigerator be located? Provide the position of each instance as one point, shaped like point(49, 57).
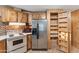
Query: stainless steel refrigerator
point(39, 34)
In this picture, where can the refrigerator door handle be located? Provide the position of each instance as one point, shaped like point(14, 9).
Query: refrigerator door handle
point(37, 31)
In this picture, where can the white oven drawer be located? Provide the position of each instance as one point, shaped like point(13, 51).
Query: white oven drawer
point(20, 50)
point(15, 43)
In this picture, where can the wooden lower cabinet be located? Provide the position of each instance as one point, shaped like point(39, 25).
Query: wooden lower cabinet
point(2, 46)
point(29, 41)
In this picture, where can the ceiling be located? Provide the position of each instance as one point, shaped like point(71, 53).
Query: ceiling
point(45, 7)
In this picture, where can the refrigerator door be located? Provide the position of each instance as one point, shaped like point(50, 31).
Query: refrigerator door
point(34, 34)
point(42, 41)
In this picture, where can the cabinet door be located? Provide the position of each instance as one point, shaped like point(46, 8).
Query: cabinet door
point(42, 15)
point(4, 14)
point(64, 35)
point(30, 18)
point(2, 46)
point(24, 18)
point(12, 15)
point(29, 41)
point(0, 14)
point(20, 16)
point(39, 15)
point(35, 16)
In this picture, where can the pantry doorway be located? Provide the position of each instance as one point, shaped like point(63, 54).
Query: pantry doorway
point(63, 43)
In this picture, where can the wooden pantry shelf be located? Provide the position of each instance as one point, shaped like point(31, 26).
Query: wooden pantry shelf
point(62, 17)
point(52, 19)
point(53, 38)
point(62, 27)
point(53, 29)
point(54, 14)
point(62, 22)
point(53, 25)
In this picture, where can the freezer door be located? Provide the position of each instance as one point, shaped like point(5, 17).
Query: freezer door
point(42, 41)
point(34, 34)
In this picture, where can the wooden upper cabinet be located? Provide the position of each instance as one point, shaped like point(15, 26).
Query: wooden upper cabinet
point(39, 15)
point(35, 16)
point(20, 16)
point(24, 17)
point(8, 14)
point(30, 18)
point(12, 15)
point(43, 15)
point(4, 14)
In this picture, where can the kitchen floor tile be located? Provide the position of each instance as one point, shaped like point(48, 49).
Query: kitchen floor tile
point(74, 50)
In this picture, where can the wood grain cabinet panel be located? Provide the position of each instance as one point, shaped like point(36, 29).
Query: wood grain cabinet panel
point(2, 46)
point(75, 28)
point(30, 18)
point(4, 14)
point(43, 15)
point(39, 15)
point(35, 16)
point(0, 14)
point(24, 17)
point(12, 15)
point(20, 16)
point(29, 41)
point(8, 14)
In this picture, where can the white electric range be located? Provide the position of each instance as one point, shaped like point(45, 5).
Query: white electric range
point(16, 44)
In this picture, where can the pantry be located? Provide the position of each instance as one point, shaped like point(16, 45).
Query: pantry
point(59, 22)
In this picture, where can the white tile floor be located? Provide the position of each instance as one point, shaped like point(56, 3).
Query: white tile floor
point(55, 50)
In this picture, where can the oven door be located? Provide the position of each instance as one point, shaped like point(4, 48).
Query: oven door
point(16, 43)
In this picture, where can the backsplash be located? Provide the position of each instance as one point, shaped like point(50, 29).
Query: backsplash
point(13, 32)
point(2, 30)
point(14, 29)
point(10, 30)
